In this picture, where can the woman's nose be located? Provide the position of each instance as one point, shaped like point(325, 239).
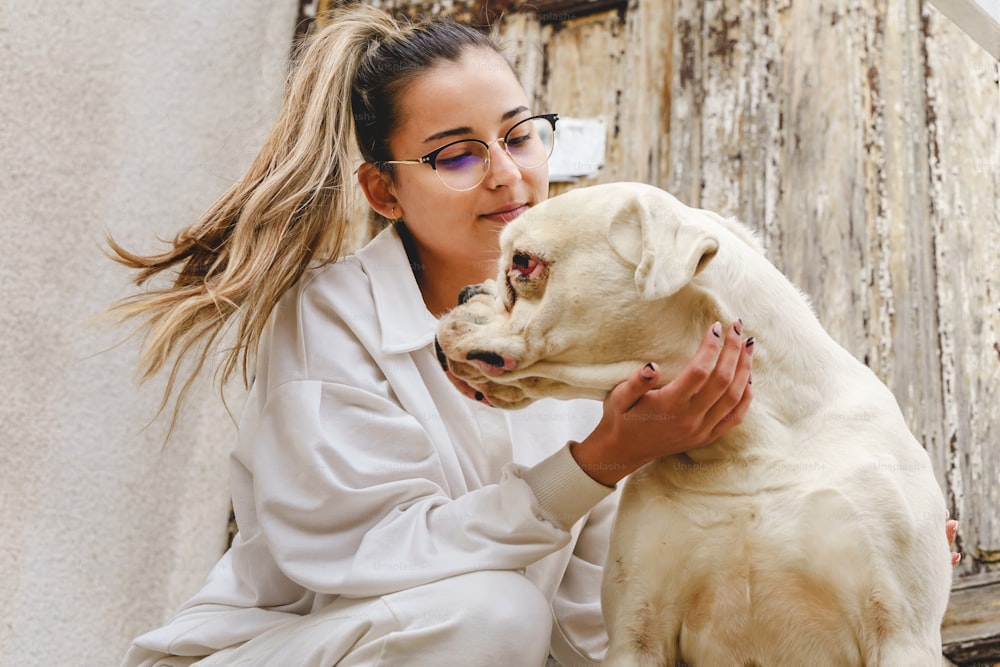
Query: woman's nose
point(503, 169)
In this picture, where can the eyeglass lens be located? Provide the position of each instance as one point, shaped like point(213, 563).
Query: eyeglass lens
point(463, 164)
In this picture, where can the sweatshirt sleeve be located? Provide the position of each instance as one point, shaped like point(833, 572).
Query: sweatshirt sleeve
point(352, 500)
point(564, 491)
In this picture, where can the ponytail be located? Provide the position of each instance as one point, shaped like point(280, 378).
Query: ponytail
point(293, 207)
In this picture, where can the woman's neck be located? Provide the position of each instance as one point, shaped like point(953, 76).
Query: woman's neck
point(440, 279)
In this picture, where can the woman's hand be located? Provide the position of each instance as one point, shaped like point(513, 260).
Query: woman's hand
point(950, 528)
point(640, 423)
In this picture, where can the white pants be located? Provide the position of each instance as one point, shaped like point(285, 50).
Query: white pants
point(479, 619)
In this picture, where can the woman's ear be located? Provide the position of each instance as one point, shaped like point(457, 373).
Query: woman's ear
point(379, 191)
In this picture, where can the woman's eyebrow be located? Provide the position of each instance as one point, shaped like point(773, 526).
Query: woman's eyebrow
point(513, 112)
point(458, 131)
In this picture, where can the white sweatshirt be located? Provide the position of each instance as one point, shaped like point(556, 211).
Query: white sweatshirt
point(359, 471)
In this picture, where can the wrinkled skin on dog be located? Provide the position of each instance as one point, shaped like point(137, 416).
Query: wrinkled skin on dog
point(528, 333)
point(808, 535)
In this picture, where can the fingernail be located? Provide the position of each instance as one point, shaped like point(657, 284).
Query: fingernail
point(738, 327)
point(648, 371)
point(750, 342)
point(480, 396)
point(717, 330)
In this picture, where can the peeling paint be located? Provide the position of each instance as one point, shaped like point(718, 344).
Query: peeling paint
point(850, 134)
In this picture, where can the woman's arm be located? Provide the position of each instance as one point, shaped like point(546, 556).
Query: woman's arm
point(352, 498)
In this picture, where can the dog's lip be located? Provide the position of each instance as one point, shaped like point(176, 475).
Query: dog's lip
point(508, 212)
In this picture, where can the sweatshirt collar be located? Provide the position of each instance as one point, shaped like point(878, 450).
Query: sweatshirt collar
point(406, 324)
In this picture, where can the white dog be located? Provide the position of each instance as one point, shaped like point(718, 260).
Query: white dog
point(809, 535)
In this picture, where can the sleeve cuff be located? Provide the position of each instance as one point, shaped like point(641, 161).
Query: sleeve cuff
point(564, 491)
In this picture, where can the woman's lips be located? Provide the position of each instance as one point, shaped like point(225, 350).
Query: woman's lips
point(506, 215)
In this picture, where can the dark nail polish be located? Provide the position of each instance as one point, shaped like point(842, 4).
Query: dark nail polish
point(717, 330)
point(738, 327)
point(750, 342)
point(480, 396)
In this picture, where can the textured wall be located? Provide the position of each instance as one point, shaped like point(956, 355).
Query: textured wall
point(128, 117)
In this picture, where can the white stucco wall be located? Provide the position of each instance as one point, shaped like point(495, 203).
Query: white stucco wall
point(126, 117)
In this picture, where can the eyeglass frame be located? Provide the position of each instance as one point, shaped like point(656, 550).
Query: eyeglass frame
point(431, 158)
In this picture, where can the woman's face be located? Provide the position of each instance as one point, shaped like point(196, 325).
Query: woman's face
point(476, 97)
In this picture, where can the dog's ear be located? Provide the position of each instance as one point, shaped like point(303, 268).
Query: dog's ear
point(664, 240)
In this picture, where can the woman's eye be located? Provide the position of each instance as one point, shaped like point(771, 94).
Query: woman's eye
point(519, 140)
point(456, 161)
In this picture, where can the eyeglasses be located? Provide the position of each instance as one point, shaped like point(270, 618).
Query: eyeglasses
point(462, 165)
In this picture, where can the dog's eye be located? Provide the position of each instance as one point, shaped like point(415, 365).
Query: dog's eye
point(526, 276)
point(524, 263)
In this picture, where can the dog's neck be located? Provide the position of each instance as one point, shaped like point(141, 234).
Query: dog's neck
point(795, 360)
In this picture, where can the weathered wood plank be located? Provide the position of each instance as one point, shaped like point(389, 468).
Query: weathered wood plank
point(971, 628)
point(963, 118)
point(910, 363)
point(581, 53)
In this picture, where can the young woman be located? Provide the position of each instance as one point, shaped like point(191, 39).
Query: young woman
point(385, 519)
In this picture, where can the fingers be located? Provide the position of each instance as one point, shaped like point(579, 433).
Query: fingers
point(626, 394)
point(710, 396)
point(707, 365)
point(951, 528)
point(696, 374)
point(718, 380)
point(732, 398)
point(711, 372)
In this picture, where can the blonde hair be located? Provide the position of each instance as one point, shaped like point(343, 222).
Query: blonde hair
point(292, 208)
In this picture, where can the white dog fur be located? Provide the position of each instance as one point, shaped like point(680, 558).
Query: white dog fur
point(812, 534)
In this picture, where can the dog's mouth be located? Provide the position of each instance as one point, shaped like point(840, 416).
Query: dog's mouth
point(480, 389)
point(489, 363)
point(441, 356)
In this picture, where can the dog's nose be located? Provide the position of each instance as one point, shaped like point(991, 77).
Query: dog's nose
point(470, 291)
point(491, 358)
point(491, 363)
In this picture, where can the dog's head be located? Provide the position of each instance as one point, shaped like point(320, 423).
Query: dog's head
point(571, 312)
